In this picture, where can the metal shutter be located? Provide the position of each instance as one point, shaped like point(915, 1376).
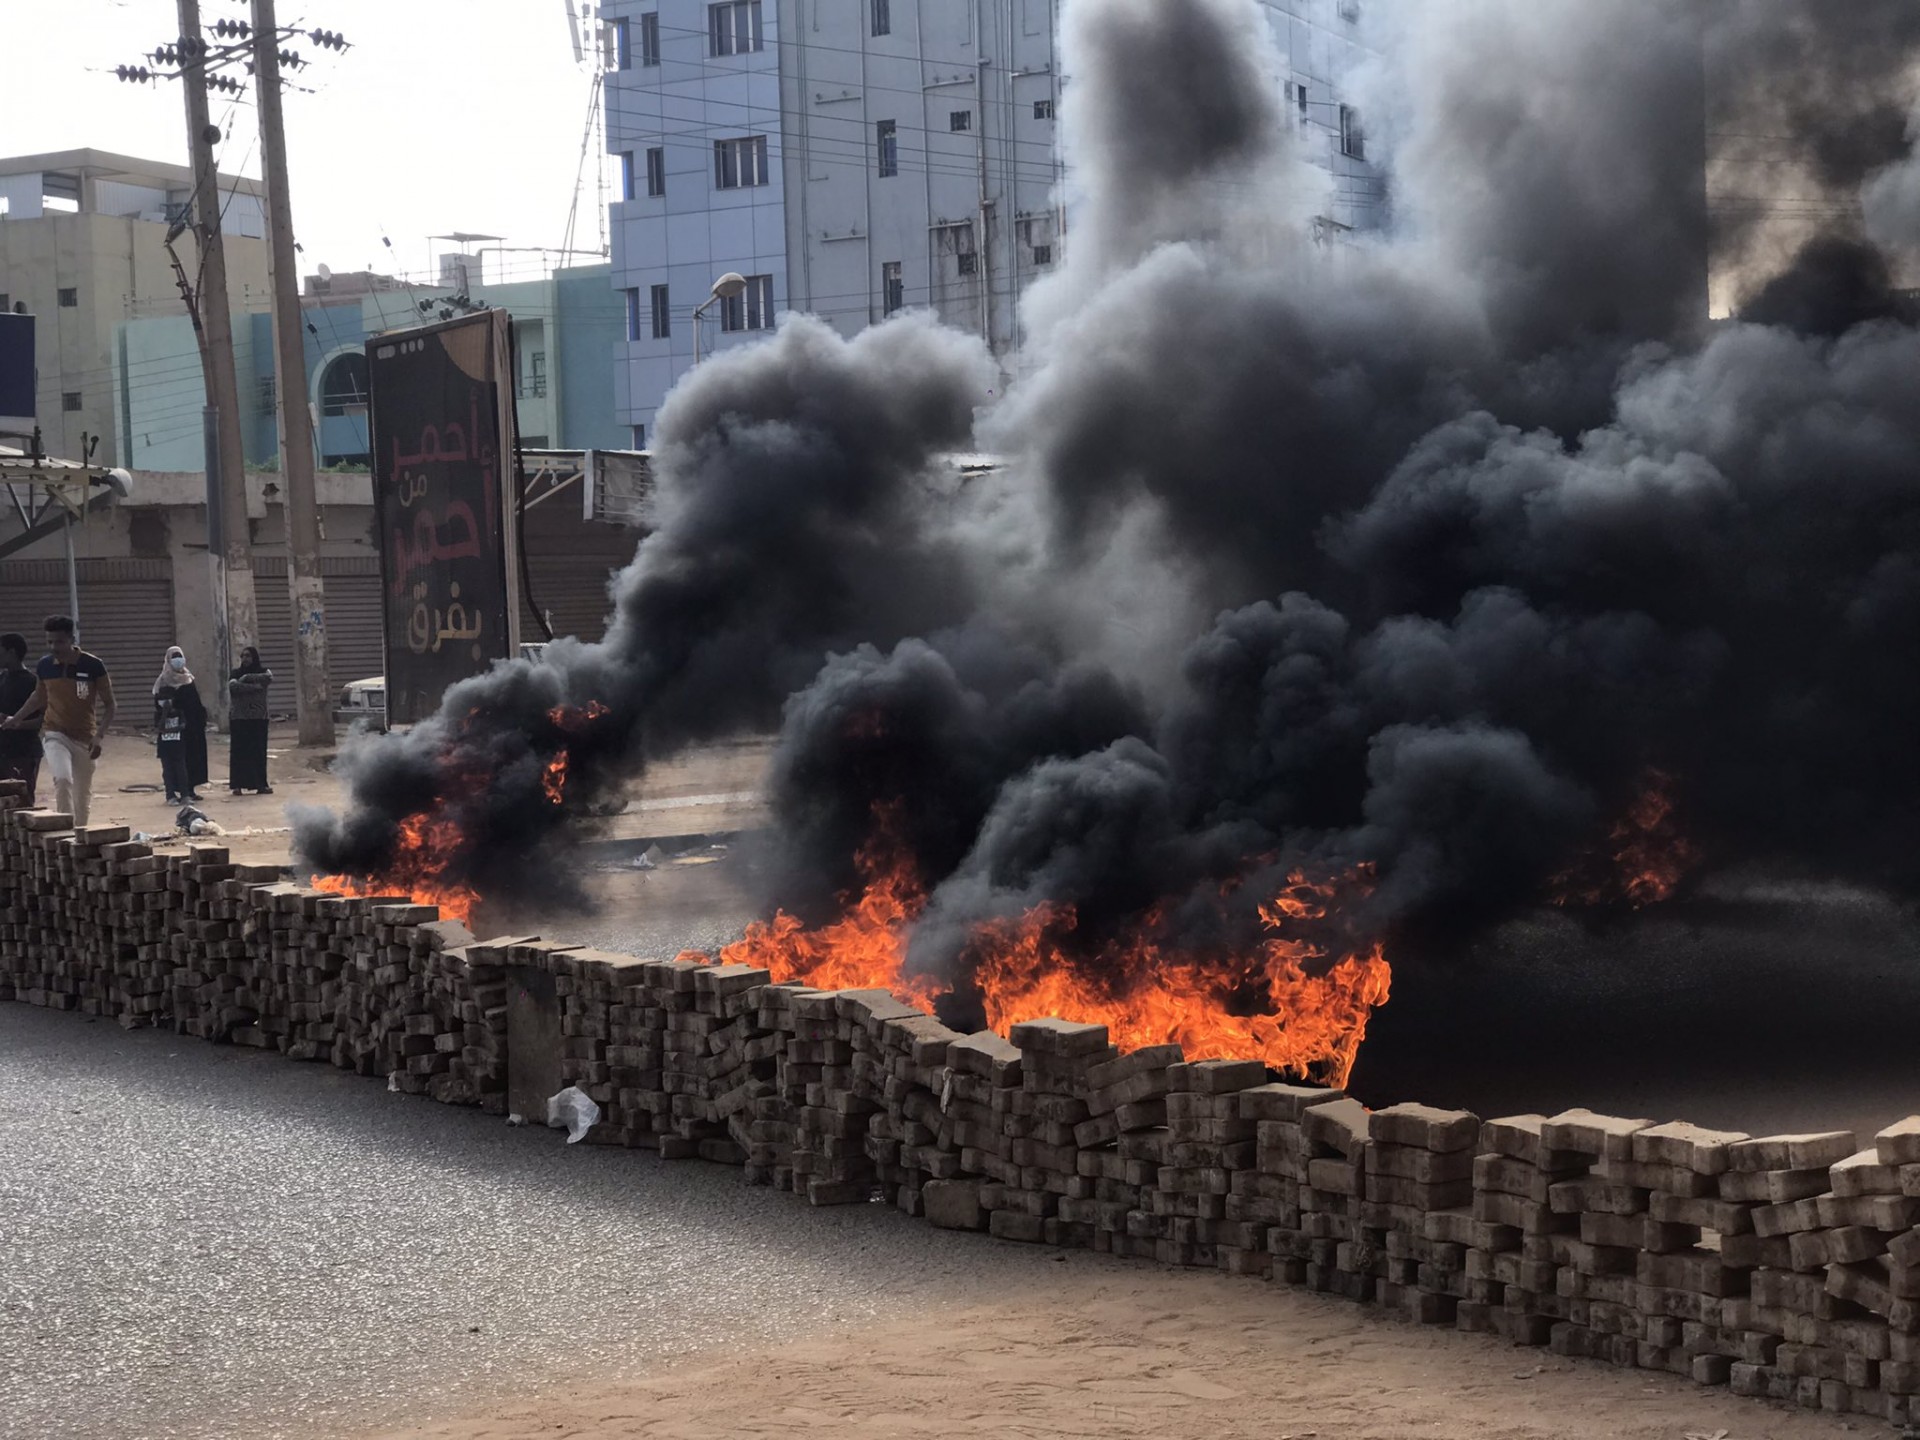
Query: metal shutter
point(126, 616)
point(354, 649)
point(569, 563)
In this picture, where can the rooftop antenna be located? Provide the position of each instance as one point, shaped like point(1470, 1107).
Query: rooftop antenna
point(589, 33)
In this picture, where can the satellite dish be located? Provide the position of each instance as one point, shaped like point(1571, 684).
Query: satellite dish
point(326, 272)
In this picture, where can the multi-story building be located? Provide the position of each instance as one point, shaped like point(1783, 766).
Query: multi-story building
point(852, 158)
point(83, 248)
point(565, 328)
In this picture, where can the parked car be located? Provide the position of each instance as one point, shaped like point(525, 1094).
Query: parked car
point(367, 699)
point(363, 700)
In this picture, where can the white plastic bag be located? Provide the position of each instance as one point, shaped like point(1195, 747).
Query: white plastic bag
point(574, 1110)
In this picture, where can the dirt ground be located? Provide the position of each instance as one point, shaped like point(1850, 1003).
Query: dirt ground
point(1167, 1354)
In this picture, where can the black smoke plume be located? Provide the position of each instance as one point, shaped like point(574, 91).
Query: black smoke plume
point(1446, 536)
point(799, 514)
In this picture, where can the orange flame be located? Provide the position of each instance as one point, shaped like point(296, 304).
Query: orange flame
point(1309, 1016)
point(1310, 1024)
point(866, 949)
point(1645, 856)
point(426, 844)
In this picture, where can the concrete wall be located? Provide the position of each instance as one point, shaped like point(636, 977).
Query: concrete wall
point(168, 521)
point(695, 232)
point(1320, 45)
point(569, 319)
point(120, 272)
point(580, 366)
point(829, 222)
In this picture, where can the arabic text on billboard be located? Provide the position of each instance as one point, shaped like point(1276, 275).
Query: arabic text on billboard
point(437, 473)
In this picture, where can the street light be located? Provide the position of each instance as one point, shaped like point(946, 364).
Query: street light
point(730, 286)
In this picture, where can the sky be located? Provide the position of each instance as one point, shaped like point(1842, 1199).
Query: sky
point(442, 117)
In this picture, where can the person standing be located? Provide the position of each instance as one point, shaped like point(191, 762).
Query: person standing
point(70, 686)
point(19, 749)
point(189, 712)
point(247, 754)
point(169, 742)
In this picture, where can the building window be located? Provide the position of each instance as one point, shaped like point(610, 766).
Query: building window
point(69, 299)
point(639, 437)
point(1300, 98)
point(735, 27)
point(70, 400)
point(633, 314)
point(269, 395)
point(752, 309)
point(622, 37)
point(1043, 109)
point(882, 17)
point(957, 241)
point(1353, 140)
point(893, 289)
point(626, 175)
point(534, 387)
point(6, 302)
point(662, 314)
point(739, 164)
point(343, 385)
point(960, 120)
point(657, 170)
point(887, 141)
point(650, 38)
point(1043, 254)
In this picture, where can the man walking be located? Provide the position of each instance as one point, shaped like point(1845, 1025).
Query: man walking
point(19, 749)
point(70, 684)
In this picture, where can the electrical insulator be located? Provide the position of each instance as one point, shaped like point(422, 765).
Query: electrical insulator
point(328, 39)
point(166, 55)
point(137, 74)
point(232, 29)
point(292, 59)
point(225, 84)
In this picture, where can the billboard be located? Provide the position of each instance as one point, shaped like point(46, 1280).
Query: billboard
point(16, 370)
point(441, 432)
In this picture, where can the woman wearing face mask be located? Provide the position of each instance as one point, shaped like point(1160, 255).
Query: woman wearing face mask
point(247, 695)
point(180, 728)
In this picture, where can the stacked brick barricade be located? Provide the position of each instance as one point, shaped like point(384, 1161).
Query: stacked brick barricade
point(1784, 1266)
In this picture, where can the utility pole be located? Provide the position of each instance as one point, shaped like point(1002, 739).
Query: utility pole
point(229, 548)
point(296, 421)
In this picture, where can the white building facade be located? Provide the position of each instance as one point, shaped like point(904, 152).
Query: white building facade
point(852, 158)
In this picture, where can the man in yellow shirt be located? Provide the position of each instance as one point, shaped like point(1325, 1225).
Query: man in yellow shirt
point(70, 685)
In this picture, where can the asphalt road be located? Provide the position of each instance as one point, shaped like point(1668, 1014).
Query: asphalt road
point(197, 1240)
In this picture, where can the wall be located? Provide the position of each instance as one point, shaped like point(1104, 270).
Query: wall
point(1320, 45)
point(829, 222)
point(580, 367)
point(694, 233)
point(167, 521)
point(570, 560)
point(1780, 1266)
point(571, 318)
point(121, 272)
